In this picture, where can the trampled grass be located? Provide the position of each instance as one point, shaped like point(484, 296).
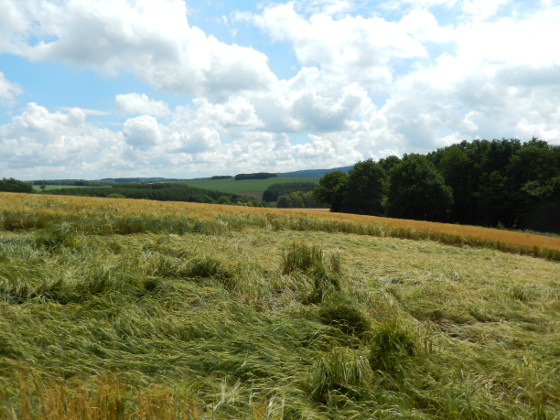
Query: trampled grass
point(116, 309)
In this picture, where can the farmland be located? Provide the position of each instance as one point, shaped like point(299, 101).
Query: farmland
point(113, 308)
point(252, 187)
point(180, 190)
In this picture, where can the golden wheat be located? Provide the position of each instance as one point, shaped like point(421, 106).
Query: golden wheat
point(69, 205)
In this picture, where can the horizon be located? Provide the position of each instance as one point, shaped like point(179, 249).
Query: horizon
point(177, 178)
point(189, 88)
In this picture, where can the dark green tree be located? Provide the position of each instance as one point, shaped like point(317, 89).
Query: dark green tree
point(14, 185)
point(459, 174)
point(276, 190)
point(310, 202)
point(291, 200)
point(495, 201)
point(224, 199)
point(418, 191)
point(365, 189)
point(331, 189)
point(542, 213)
point(388, 162)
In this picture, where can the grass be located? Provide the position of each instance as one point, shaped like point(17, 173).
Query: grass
point(132, 309)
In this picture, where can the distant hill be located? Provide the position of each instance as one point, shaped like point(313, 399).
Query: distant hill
point(312, 173)
point(139, 179)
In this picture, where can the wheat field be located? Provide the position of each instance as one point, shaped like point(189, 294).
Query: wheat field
point(131, 309)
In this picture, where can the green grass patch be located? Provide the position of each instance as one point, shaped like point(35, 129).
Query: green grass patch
point(245, 186)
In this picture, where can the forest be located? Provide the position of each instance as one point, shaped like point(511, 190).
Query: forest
point(498, 183)
point(160, 191)
point(14, 185)
point(274, 191)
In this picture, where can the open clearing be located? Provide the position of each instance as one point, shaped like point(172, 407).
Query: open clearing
point(135, 309)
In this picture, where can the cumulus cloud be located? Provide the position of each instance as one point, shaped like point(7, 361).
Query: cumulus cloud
point(152, 40)
point(352, 44)
point(367, 84)
point(139, 103)
point(483, 9)
point(141, 132)
point(8, 91)
point(38, 140)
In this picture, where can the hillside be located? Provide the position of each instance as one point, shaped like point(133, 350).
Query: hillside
point(251, 187)
point(312, 173)
point(115, 308)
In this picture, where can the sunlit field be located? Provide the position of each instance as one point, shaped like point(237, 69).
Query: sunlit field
point(22, 211)
point(116, 308)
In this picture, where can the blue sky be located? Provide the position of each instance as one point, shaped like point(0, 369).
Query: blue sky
point(181, 88)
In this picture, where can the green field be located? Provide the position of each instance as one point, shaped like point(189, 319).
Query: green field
point(133, 309)
point(253, 187)
point(37, 188)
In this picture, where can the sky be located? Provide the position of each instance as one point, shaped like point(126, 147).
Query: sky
point(191, 88)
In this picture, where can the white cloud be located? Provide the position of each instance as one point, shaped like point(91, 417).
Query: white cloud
point(483, 9)
point(423, 26)
point(86, 111)
point(13, 24)
point(366, 85)
point(142, 132)
point(41, 142)
point(429, 3)
point(152, 40)
point(337, 44)
point(139, 103)
point(8, 91)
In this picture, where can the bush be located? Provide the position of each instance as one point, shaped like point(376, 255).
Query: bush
point(223, 199)
point(301, 257)
point(341, 371)
point(325, 282)
point(310, 260)
point(391, 349)
point(274, 191)
point(338, 311)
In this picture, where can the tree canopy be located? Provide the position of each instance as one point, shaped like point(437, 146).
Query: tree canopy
point(491, 183)
point(14, 185)
point(258, 175)
point(418, 191)
point(276, 190)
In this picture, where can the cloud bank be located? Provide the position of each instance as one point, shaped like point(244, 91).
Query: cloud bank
point(369, 81)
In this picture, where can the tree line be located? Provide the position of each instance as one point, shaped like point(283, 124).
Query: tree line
point(489, 183)
point(160, 191)
point(258, 175)
point(274, 191)
point(14, 185)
